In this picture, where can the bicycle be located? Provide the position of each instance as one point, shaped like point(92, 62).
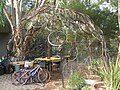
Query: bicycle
point(37, 74)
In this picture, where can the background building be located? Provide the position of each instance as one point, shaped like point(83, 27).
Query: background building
point(4, 38)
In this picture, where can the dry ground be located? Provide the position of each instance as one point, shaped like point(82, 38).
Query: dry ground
point(54, 84)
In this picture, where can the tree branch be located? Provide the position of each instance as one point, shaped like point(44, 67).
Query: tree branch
point(20, 4)
point(12, 12)
point(18, 14)
point(36, 4)
point(8, 17)
point(34, 12)
point(42, 3)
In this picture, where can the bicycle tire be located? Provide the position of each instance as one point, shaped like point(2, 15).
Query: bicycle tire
point(49, 76)
point(36, 79)
point(16, 77)
point(68, 68)
point(56, 38)
point(44, 75)
point(24, 78)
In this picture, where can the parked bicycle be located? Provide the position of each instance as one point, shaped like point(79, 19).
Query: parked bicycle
point(25, 76)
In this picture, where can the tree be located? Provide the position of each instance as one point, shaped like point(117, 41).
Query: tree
point(17, 19)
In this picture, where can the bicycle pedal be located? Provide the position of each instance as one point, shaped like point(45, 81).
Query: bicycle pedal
point(16, 84)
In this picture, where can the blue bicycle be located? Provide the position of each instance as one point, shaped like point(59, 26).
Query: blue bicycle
point(26, 76)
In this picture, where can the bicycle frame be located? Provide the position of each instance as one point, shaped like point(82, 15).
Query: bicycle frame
point(34, 70)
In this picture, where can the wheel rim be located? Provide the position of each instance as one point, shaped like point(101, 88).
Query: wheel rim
point(16, 77)
point(44, 75)
point(56, 38)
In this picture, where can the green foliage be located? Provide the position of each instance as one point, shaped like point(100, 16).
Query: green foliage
point(28, 5)
point(70, 36)
point(105, 18)
point(4, 25)
point(111, 75)
point(86, 87)
point(2, 19)
point(74, 5)
point(107, 21)
point(76, 81)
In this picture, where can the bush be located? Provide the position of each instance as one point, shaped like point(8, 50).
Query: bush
point(110, 75)
point(76, 81)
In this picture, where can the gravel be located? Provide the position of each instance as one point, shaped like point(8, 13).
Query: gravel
point(6, 84)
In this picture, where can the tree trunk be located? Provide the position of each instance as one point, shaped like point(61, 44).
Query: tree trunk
point(49, 50)
point(105, 57)
point(89, 52)
point(21, 39)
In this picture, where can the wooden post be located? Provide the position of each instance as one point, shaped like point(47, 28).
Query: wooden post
point(49, 53)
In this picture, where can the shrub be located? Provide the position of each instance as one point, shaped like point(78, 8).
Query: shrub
point(110, 75)
point(76, 81)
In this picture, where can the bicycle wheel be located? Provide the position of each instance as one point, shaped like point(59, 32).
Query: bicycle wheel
point(36, 79)
point(68, 68)
point(49, 76)
point(44, 75)
point(16, 77)
point(24, 79)
point(56, 38)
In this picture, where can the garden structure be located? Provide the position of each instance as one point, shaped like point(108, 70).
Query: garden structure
point(80, 32)
point(78, 28)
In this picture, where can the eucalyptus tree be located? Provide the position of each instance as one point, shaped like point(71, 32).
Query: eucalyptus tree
point(17, 18)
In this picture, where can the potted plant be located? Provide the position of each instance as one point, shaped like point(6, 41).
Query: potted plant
point(76, 81)
point(110, 75)
point(86, 87)
point(91, 79)
point(98, 86)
